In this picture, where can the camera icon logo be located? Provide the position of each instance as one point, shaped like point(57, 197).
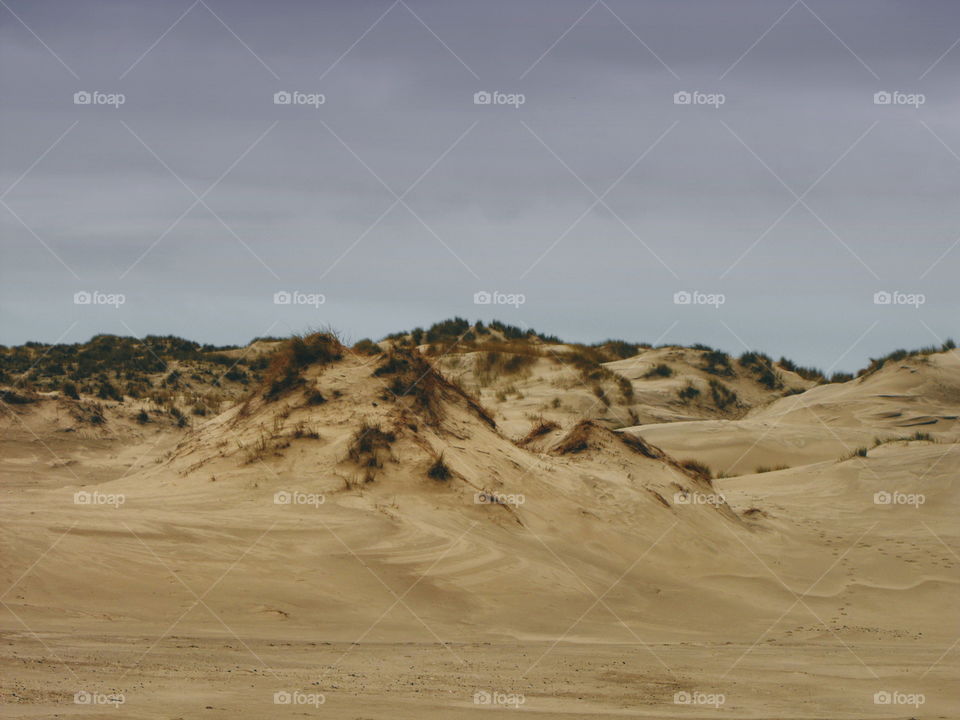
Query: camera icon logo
point(482, 298)
point(82, 698)
point(82, 298)
point(682, 98)
point(282, 697)
point(682, 298)
point(882, 297)
point(482, 697)
point(282, 497)
point(282, 297)
point(882, 98)
point(82, 98)
point(682, 698)
point(882, 498)
point(282, 98)
point(882, 698)
point(681, 498)
point(482, 98)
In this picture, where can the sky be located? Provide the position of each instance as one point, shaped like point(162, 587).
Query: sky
point(769, 175)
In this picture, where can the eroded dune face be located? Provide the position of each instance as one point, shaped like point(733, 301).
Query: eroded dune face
point(368, 498)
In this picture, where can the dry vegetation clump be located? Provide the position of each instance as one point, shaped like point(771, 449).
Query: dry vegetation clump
point(723, 397)
point(490, 365)
point(898, 355)
point(761, 366)
point(688, 392)
point(315, 397)
point(439, 470)
point(303, 430)
point(370, 446)
point(697, 468)
point(717, 363)
point(577, 440)
point(12, 397)
point(541, 426)
point(770, 468)
point(413, 377)
point(366, 347)
point(297, 354)
point(660, 370)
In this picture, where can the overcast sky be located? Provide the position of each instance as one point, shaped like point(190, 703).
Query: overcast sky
point(783, 189)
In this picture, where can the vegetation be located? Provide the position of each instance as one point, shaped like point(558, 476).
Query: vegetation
point(723, 397)
point(660, 370)
point(370, 446)
point(688, 392)
point(294, 356)
point(439, 470)
point(898, 355)
point(541, 426)
point(762, 368)
point(697, 468)
point(717, 363)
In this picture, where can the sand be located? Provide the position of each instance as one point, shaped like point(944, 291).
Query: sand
point(607, 581)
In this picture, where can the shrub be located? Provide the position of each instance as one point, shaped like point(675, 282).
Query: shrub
point(541, 426)
point(716, 362)
point(439, 470)
point(370, 445)
point(723, 397)
point(315, 397)
point(107, 391)
point(366, 347)
point(143, 417)
point(70, 390)
point(660, 370)
point(689, 392)
point(807, 373)
point(697, 468)
point(762, 368)
point(298, 353)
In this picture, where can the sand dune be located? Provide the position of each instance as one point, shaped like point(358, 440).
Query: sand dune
point(361, 529)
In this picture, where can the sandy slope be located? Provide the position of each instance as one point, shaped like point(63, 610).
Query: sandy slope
point(620, 580)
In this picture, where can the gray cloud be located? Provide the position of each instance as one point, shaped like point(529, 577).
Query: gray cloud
point(508, 206)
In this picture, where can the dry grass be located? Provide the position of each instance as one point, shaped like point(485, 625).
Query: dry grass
point(370, 446)
point(541, 426)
